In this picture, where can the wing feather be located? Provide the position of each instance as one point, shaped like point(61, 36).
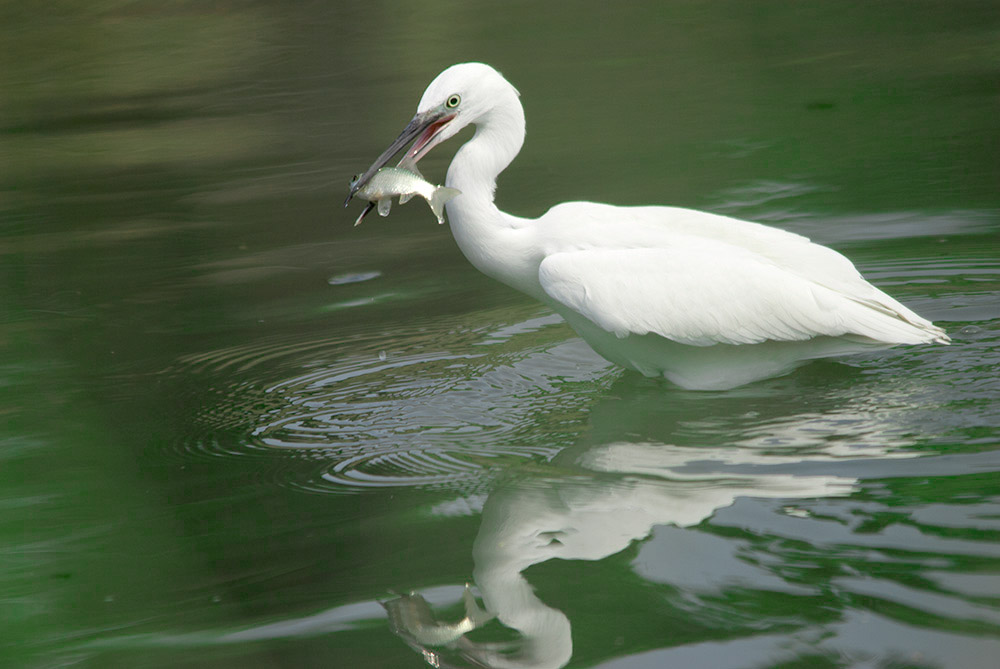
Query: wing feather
point(703, 292)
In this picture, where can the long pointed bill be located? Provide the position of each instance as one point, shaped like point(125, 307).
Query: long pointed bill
point(425, 126)
point(371, 205)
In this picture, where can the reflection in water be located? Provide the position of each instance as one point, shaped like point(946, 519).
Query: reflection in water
point(607, 498)
point(410, 617)
point(629, 470)
point(598, 501)
point(688, 492)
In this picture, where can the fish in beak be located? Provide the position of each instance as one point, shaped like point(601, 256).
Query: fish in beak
point(425, 128)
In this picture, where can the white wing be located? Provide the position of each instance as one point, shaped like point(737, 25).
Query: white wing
point(701, 292)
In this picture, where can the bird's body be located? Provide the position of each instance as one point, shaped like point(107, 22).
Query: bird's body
point(707, 301)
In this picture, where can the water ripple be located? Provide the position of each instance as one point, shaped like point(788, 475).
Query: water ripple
point(450, 401)
point(420, 407)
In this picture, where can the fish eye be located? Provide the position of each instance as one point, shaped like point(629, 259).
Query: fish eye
point(453, 101)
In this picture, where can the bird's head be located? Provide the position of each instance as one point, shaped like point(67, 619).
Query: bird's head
point(463, 94)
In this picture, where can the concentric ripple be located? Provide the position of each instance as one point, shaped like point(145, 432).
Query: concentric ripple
point(422, 407)
point(422, 467)
point(449, 401)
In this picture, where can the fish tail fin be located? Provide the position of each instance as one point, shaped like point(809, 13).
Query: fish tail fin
point(441, 195)
point(477, 615)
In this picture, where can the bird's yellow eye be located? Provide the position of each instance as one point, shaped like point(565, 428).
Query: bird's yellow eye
point(453, 101)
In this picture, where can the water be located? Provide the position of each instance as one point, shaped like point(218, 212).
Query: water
point(234, 426)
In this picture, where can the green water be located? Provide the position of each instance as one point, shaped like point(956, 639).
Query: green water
point(232, 425)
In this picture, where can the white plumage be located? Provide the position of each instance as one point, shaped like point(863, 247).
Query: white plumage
point(708, 301)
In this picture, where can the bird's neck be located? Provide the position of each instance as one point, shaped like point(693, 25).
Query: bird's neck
point(495, 242)
point(498, 139)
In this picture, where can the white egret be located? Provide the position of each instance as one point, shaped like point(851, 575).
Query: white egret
point(707, 301)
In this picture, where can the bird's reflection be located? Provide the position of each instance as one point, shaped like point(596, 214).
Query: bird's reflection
point(611, 496)
point(590, 505)
point(597, 499)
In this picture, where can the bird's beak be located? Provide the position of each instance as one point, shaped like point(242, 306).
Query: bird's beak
point(425, 126)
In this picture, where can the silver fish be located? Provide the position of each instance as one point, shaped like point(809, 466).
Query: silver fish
point(405, 182)
point(411, 617)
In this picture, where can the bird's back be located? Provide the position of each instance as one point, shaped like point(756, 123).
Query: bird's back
point(627, 277)
point(578, 226)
